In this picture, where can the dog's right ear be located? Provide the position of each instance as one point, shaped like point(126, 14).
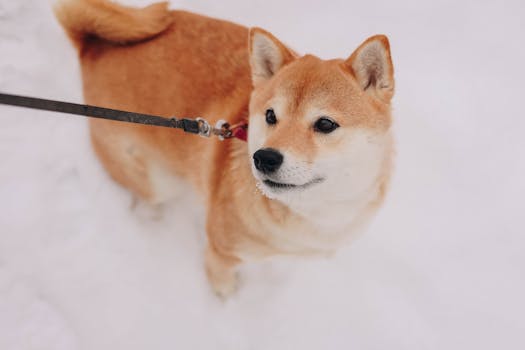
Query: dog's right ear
point(267, 55)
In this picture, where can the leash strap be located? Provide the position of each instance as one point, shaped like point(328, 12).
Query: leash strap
point(193, 126)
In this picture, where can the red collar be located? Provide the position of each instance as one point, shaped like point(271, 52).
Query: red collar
point(240, 131)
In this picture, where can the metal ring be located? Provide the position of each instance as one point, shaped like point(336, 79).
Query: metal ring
point(204, 128)
point(220, 125)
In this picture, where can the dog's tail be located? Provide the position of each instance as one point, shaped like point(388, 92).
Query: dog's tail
point(109, 21)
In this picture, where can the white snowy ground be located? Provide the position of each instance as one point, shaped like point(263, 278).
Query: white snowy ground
point(441, 267)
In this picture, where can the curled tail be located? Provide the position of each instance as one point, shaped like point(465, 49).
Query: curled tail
point(110, 21)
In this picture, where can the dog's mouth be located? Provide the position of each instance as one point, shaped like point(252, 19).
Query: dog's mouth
point(287, 186)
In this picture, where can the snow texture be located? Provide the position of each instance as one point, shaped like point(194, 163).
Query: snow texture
point(441, 267)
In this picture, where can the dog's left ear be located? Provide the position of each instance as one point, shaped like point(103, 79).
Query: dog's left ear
point(372, 67)
point(267, 55)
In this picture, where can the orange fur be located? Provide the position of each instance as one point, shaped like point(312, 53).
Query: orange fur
point(111, 21)
point(178, 63)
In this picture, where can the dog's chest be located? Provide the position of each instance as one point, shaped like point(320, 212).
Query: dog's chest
point(299, 235)
point(307, 239)
point(296, 236)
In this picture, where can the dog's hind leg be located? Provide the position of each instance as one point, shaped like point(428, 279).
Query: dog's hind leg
point(130, 164)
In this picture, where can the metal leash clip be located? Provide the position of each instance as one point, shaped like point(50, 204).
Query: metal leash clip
point(204, 127)
point(222, 130)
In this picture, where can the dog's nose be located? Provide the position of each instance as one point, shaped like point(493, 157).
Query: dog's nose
point(267, 160)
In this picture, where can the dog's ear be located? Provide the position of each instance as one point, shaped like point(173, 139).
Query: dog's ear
point(267, 55)
point(372, 67)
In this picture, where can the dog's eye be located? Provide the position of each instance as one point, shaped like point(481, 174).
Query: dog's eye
point(270, 116)
point(325, 125)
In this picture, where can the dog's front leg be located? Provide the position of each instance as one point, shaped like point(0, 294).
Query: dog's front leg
point(221, 270)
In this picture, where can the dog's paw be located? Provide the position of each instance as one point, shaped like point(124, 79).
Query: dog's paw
point(145, 210)
point(223, 283)
point(221, 272)
point(224, 286)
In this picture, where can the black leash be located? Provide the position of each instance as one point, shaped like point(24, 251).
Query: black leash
point(194, 126)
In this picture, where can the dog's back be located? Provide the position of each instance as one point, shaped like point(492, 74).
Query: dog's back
point(168, 63)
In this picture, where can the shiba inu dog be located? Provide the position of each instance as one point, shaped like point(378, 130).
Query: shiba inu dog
point(319, 152)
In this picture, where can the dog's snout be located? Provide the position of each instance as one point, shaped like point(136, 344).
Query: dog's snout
point(267, 160)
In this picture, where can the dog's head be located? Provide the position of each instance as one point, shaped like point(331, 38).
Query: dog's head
point(318, 128)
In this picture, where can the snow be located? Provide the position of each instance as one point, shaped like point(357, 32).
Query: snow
point(441, 267)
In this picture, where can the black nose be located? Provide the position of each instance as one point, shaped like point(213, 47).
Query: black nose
point(267, 160)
